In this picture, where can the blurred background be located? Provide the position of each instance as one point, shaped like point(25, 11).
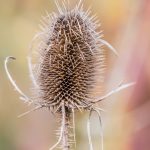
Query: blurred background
point(126, 120)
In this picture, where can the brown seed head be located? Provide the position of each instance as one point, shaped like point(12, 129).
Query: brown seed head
point(69, 58)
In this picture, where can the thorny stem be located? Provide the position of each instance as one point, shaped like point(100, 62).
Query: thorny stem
point(59, 140)
point(64, 132)
point(74, 126)
point(65, 135)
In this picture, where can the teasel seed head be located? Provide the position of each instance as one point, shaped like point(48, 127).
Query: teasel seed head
point(70, 58)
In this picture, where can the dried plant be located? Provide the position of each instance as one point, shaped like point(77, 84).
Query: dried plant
point(67, 66)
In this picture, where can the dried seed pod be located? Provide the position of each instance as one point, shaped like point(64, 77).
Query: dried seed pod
point(69, 60)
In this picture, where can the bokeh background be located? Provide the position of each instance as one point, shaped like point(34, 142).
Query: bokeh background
point(126, 120)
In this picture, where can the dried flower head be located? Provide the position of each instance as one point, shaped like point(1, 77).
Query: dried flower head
point(69, 63)
point(68, 58)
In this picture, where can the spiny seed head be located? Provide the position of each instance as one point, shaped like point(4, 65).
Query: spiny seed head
point(69, 59)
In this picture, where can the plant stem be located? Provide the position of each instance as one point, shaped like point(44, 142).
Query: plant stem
point(65, 124)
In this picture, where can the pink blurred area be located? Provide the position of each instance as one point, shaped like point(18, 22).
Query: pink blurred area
point(126, 122)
